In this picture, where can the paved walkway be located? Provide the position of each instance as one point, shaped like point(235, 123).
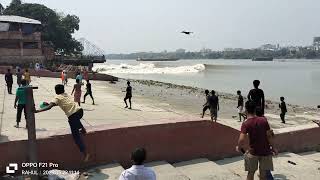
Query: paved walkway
point(109, 109)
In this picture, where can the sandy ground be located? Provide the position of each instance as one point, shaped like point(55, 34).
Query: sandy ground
point(189, 100)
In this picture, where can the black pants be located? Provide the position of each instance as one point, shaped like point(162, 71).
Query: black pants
point(75, 125)
point(20, 108)
point(205, 108)
point(9, 87)
point(282, 116)
point(125, 100)
point(85, 95)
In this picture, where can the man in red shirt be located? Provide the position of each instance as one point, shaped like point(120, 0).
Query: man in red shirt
point(261, 148)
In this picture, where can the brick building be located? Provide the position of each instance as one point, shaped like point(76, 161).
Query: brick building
point(20, 41)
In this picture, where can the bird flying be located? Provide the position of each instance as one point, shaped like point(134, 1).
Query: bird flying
point(187, 32)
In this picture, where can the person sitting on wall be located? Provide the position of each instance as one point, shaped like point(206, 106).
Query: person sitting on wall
point(138, 171)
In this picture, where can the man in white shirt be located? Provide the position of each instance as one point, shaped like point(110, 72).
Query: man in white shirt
point(138, 171)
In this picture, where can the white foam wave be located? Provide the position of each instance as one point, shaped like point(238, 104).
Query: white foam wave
point(146, 68)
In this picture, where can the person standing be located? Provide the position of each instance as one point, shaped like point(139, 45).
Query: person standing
point(128, 95)
point(74, 114)
point(21, 100)
point(214, 105)
point(62, 77)
point(37, 68)
point(240, 106)
point(19, 77)
point(261, 145)
point(79, 77)
point(27, 76)
point(9, 81)
point(65, 76)
point(138, 171)
point(283, 108)
point(206, 104)
point(257, 96)
point(89, 92)
point(77, 91)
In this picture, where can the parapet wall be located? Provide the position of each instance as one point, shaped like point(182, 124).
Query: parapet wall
point(170, 141)
point(47, 73)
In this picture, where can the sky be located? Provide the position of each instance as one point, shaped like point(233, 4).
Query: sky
point(125, 26)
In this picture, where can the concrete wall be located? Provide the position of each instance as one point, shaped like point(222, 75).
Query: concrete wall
point(46, 73)
point(171, 141)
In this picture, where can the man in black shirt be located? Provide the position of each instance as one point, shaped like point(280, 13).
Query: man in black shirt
point(257, 96)
point(214, 105)
point(89, 92)
point(206, 104)
point(283, 108)
point(128, 95)
point(9, 81)
point(240, 106)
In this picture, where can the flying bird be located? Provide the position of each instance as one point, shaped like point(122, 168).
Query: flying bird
point(187, 32)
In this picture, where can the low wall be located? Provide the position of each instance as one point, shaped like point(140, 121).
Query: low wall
point(47, 73)
point(171, 142)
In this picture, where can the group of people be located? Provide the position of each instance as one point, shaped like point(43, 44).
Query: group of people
point(20, 76)
point(255, 127)
point(212, 103)
point(256, 95)
point(23, 80)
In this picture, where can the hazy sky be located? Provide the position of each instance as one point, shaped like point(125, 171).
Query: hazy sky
point(154, 25)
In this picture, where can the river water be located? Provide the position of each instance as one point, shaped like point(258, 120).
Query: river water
point(297, 80)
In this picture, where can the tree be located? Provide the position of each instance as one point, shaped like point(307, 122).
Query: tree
point(1, 9)
point(56, 28)
point(15, 3)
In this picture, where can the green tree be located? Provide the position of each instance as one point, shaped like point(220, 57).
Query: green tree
point(56, 28)
point(15, 3)
point(1, 9)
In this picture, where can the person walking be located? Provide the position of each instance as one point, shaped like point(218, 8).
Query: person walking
point(206, 104)
point(257, 96)
point(9, 81)
point(89, 92)
point(77, 91)
point(138, 171)
point(74, 114)
point(214, 105)
point(261, 146)
point(19, 76)
point(65, 77)
point(283, 108)
point(21, 100)
point(27, 76)
point(128, 95)
point(240, 106)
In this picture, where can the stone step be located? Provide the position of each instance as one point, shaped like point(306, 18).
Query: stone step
point(304, 169)
point(235, 165)
point(204, 169)
point(165, 171)
point(282, 169)
point(313, 156)
point(109, 172)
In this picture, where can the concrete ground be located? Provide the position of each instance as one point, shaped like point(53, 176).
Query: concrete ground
point(109, 109)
